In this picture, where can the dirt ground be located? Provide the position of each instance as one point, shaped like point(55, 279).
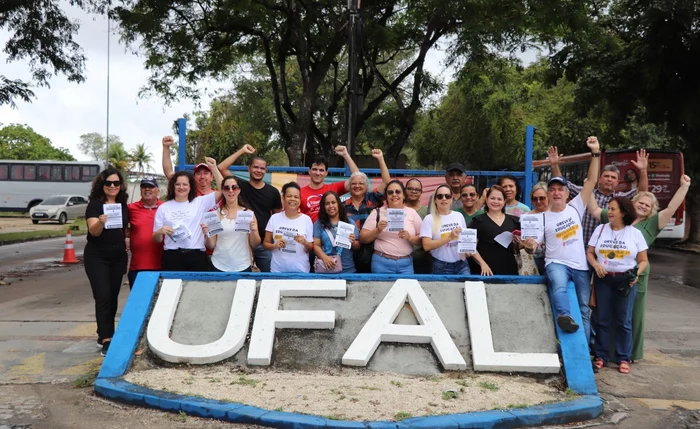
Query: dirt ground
point(18, 224)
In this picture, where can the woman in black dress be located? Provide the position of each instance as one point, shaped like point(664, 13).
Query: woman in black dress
point(105, 253)
point(499, 260)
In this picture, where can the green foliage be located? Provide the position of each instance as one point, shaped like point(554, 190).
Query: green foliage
point(449, 394)
point(402, 415)
point(22, 142)
point(95, 146)
point(488, 386)
point(119, 157)
point(141, 158)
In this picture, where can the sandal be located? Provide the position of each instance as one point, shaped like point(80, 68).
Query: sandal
point(624, 367)
point(598, 363)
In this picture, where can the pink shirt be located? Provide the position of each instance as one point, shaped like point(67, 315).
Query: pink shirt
point(389, 242)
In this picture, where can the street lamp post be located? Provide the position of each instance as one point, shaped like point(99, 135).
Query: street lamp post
point(355, 96)
point(107, 135)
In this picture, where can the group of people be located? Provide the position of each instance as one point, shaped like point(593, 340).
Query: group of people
point(388, 230)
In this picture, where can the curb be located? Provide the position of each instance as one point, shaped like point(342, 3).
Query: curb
point(574, 353)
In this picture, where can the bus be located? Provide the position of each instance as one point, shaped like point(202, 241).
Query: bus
point(24, 184)
point(666, 167)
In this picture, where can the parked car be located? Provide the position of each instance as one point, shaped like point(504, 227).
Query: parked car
point(59, 208)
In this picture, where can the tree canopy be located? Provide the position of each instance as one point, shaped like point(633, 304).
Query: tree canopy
point(22, 142)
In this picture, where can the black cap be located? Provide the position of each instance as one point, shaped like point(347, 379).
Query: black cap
point(455, 166)
point(557, 179)
point(150, 182)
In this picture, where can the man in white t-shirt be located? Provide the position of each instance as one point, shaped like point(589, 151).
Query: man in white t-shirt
point(565, 254)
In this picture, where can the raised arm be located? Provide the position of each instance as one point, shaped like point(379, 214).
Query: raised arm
point(593, 208)
point(554, 159)
point(167, 161)
point(228, 162)
point(211, 162)
point(342, 151)
point(386, 177)
point(593, 168)
point(666, 214)
point(641, 164)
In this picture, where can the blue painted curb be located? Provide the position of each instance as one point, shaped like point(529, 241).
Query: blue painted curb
point(583, 408)
point(137, 310)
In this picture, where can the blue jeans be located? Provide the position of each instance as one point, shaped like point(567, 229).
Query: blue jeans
point(613, 309)
point(263, 258)
point(382, 265)
point(459, 267)
point(558, 276)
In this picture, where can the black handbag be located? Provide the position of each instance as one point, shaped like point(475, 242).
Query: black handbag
point(363, 255)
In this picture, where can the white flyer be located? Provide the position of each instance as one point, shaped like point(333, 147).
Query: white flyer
point(531, 226)
point(211, 219)
point(342, 236)
point(114, 216)
point(467, 241)
point(290, 244)
point(394, 219)
point(181, 233)
point(504, 238)
point(243, 220)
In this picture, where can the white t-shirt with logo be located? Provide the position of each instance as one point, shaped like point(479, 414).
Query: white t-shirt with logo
point(292, 258)
point(563, 234)
point(447, 252)
point(617, 251)
point(186, 219)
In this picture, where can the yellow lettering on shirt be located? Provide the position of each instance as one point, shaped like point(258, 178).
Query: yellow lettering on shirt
point(567, 233)
point(618, 254)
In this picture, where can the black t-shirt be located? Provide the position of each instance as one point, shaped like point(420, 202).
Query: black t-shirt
point(500, 259)
point(261, 201)
point(108, 236)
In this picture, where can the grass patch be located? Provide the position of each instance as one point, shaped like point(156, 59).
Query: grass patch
point(518, 405)
point(334, 417)
point(462, 383)
point(280, 409)
point(570, 393)
point(182, 416)
point(244, 381)
point(488, 386)
point(19, 237)
point(449, 394)
point(15, 214)
point(402, 415)
point(88, 379)
point(435, 379)
point(396, 383)
point(369, 388)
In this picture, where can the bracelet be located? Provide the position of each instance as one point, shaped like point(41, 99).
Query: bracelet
point(595, 154)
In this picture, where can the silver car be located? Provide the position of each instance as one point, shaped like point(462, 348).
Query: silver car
point(59, 208)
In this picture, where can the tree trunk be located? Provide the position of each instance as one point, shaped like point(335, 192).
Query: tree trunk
point(693, 215)
point(394, 151)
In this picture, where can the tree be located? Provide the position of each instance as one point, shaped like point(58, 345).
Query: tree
point(94, 145)
point(41, 34)
point(302, 47)
point(22, 142)
point(643, 58)
point(119, 157)
point(141, 158)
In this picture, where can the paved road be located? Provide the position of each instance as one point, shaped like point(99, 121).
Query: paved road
point(47, 340)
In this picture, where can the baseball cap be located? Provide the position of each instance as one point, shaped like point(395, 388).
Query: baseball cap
point(201, 165)
point(149, 182)
point(455, 166)
point(557, 179)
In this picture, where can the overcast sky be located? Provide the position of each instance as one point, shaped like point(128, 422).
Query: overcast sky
point(67, 110)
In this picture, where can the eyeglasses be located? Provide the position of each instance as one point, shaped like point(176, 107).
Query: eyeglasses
point(442, 196)
point(538, 199)
point(115, 183)
point(230, 187)
point(470, 194)
point(414, 189)
point(394, 192)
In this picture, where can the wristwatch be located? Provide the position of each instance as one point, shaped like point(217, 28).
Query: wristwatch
point(595, 154)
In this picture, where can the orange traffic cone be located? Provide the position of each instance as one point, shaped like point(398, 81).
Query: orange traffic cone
point(69, 251)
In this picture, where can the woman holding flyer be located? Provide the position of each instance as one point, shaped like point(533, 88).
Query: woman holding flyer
point(394, 229)
point(107, 216)
point(335, 239)
point(178, 222)
point(289, 234)
point(440, 233)
point(238, 234)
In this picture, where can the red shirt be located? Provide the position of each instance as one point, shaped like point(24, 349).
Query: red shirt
point(311, 198)
point(146, 254)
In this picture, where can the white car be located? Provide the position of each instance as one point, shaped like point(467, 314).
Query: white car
point(59, 208)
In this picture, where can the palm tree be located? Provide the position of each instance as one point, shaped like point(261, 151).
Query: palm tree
point(119, 157)
point(141, 158)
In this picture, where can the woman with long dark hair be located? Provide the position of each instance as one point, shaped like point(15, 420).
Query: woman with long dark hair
point(333, 257)
point(511, 190)
point(105, 253)
point(232, 247)
point(178, 222)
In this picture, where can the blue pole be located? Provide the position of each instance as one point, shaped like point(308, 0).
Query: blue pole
point(529, 145)
point(182, 142)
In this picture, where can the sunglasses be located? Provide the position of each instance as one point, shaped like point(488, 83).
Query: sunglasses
point(442, 196)
point(414, 189)
point(470, 194)
point(394, 192)
point(230, 187)
point(539, 199)
point(115, 183)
